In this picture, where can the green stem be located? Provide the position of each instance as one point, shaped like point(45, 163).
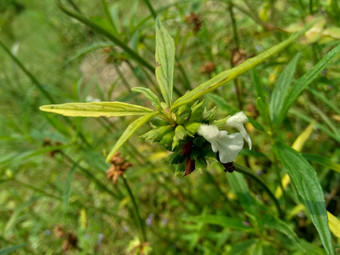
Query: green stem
point(243, 170)
point(122, 77)
point(107, 13)
point(107, 34)
point(311, 7)
point(74, 6)
point(233, 22)
point(136, 210)
point(148, 4)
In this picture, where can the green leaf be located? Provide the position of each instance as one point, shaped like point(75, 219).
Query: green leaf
point(260, 92)
point(318, 125)
point(307, 185)
point(262, 106)
point(180, 134)
point(96, 109)
point(282, 227)
point(148, 94)
point(231, 74)
point(8, 250)
point(68, 184)
point(241, 247)
point(281, 89)
point(239, 186)
point(220, 220)
point(156, 134)
point(88, 49)
point(165, 61)
point(129, 132)
point(322, 161)
point(303, 82)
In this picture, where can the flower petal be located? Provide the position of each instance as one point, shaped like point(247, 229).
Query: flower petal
point(229, 146)
point(209, 132)
point(237, 121)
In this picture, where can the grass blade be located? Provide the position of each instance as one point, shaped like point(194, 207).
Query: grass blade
point(8, 250)
point(307, 184)
point(220, 220)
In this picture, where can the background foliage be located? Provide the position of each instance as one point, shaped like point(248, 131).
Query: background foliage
point(55, 196)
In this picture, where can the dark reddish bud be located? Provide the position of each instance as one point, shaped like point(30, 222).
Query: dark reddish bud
point(186, 149)
point(189, 166)
point(229, 167)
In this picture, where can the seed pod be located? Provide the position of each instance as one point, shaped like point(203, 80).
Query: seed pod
point(189, 166)
point(186, 149)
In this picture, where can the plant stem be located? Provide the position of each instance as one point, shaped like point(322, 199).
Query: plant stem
point(311, 7)
point(136, 210)
point(148, 4)
point(243, 170)
point(233, 22)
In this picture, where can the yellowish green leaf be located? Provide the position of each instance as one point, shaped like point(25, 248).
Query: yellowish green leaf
point(334, 224)
point(96, 109)
point(133, 127)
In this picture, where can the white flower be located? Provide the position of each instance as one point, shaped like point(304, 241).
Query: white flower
point(237, 121)
point(228, 146)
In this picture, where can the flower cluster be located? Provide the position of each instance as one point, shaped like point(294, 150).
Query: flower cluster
point(193, 135)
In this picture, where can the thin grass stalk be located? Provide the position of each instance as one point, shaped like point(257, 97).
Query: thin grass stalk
point(136, 209)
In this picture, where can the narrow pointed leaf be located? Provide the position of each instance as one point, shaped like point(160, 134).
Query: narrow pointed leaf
point(307, 185)
point(282, 227)
point(304, 81)
point(165, 61)
point(133, 127)
point(220, 220)
point(281, 88)
point(11, 249)
point(231, 74)
point(96, 109)
point(148, 94)
point(324, 161)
